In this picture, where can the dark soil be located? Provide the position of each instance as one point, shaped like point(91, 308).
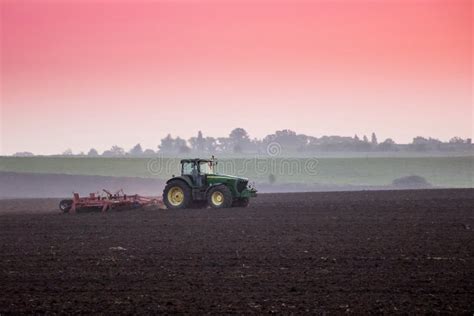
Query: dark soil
point(379, 251)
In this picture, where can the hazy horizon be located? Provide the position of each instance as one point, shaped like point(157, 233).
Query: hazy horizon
point(89, 74)
point(346, 151)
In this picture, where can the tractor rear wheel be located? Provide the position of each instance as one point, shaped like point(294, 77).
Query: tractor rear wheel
point(219, 197)
point(65, 205)
point(176, 195)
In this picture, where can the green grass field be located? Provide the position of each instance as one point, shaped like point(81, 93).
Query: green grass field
point(455, 172)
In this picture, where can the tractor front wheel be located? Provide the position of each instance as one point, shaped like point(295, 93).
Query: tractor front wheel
point(176, 195)
point(219, 197)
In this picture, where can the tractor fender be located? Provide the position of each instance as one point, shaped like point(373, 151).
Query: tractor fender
point(181, 178)
point(213, 185)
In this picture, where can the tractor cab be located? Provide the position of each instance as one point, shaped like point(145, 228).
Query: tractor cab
point(197, 170)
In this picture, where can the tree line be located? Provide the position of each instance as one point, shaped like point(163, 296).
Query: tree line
point(287, 141)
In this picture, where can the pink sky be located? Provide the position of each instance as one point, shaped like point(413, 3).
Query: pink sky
point(81, 74)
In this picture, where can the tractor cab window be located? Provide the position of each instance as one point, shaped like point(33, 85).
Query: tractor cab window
point(205, 168)
point(189, 168)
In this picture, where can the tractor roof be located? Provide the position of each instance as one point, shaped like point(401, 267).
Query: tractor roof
point(195, 160)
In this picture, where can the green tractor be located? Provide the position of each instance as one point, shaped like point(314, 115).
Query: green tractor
point(199, 186)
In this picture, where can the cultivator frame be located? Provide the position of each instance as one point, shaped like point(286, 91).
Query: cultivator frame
point(118, 200)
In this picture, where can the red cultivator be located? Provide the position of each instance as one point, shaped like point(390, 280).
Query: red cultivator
point(110, 201)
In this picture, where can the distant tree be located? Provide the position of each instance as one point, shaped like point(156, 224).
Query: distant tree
point(23, 154)
point(93, 152)
point(374, 139)
point(149, 152)
point(178, 142)
point(283, 137)
point(167, 144)
point(181, 146)
point(419, 140)
point(387, 145)
point(468, 141)
point(173, 145)
point(288, 140)
point(115, 151)
point(224, 144)
point(237, 149)
point(313, 144)
point(434, 144)
point(362, 146)
point(210, 144)
point(422, 144)
point(198, 143)
point(136, 150)
point(203, 145)
point(255, 145)
point(419, 143)
point(456, 140)
point(356, 138)
point(239, 134)
point(239, 139)
point(335, 143)
point(184, 150)
point(119, 151)
point(67, 152)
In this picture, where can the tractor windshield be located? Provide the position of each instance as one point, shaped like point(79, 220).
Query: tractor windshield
point(206, 168)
